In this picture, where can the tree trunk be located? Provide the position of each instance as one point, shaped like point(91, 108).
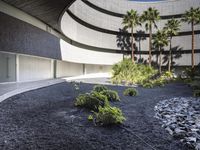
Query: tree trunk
point(160, 61)
point(132, 46)
point(193, 46)
point(150, 44)
point(170, 55)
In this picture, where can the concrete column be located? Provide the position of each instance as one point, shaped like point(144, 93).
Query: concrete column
point(55, 69)
point(17, 67)
point(84, 70)
point(52, 68)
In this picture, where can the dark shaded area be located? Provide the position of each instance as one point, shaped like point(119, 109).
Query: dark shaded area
point(48, 11)
point(124, 42)
point(46, 119)
point(139, 38)
point(20, 37)
point(176, 54)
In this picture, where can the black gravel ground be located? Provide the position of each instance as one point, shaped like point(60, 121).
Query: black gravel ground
point(46, 119)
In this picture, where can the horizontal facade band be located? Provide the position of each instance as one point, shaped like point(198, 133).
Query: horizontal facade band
point(122, 15)
point(82, 22)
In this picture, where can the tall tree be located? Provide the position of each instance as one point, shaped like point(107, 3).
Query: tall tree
point(171, 28)
point(131, 20)
point(192, 17)
point(150, 17)
point(159, 41)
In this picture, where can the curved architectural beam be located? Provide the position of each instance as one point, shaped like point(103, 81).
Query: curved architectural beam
point(48, 11)
point(88, 25)
point(167, 7)
point(115, 14)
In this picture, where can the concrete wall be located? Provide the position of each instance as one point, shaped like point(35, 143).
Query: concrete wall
point(168, 7)
point(107, 21)
point(66, 69)
point(97, 69)
point(7, 67)
point(80, 55)
point(34, 68)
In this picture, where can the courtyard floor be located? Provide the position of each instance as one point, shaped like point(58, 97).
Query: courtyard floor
point(46, 119)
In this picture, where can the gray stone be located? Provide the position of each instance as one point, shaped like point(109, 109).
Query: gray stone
point(169, 130)
point(191, 139)
point(197, 146)
point(181, 119)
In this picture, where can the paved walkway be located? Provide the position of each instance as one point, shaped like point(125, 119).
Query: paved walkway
point(10, 89)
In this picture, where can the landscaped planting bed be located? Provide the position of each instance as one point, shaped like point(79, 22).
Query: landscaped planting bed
point(46, 119)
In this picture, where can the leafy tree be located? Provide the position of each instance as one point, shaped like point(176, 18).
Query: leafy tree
point(171, 28)
point(150, 17)
point(160, 40)
point(131, 20)
point(192, 17)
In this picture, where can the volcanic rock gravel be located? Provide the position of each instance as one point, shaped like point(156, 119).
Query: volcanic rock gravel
point(181, 118)
point(46, 119)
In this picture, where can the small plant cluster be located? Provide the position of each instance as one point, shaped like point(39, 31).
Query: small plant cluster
point(127, 72)
point(195, 84)
point(192, 77)
point(161, 80)
point(98, 102)
point(130, 92)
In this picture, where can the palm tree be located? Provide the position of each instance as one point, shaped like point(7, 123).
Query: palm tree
point(171, 28)
point(150, 17)
point(192, 17)
point(159, 41)
point(131, 20)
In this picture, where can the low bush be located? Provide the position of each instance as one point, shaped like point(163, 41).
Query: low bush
point(196, 93)
point(99, 88)
point(90, 118)
point(111, 95)
point(130, 92)
point(167, 74)
point(91, 100)
point(158, 82)
point(195, 85)
point(126, 72)
point(148, 85)
point(109, 115)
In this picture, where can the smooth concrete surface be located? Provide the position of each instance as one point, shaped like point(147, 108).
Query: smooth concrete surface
point(10, 89)
point(166, 7)
point(106, 21)
point(7, 67)
point(34, 68)
point(75, 54)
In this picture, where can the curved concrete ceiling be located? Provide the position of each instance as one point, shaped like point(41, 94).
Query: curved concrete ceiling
point(48, 11)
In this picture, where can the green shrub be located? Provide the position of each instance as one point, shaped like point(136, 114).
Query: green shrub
point(158, 82)
point(109, 115)
point(168, 74)
point(99, 88)
point(129, 73)
point(91, 101)
point(148, 85)
point(196, 93)
point(130, 92)
point(90, 117)
point(111, 95)
point(195, 85)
